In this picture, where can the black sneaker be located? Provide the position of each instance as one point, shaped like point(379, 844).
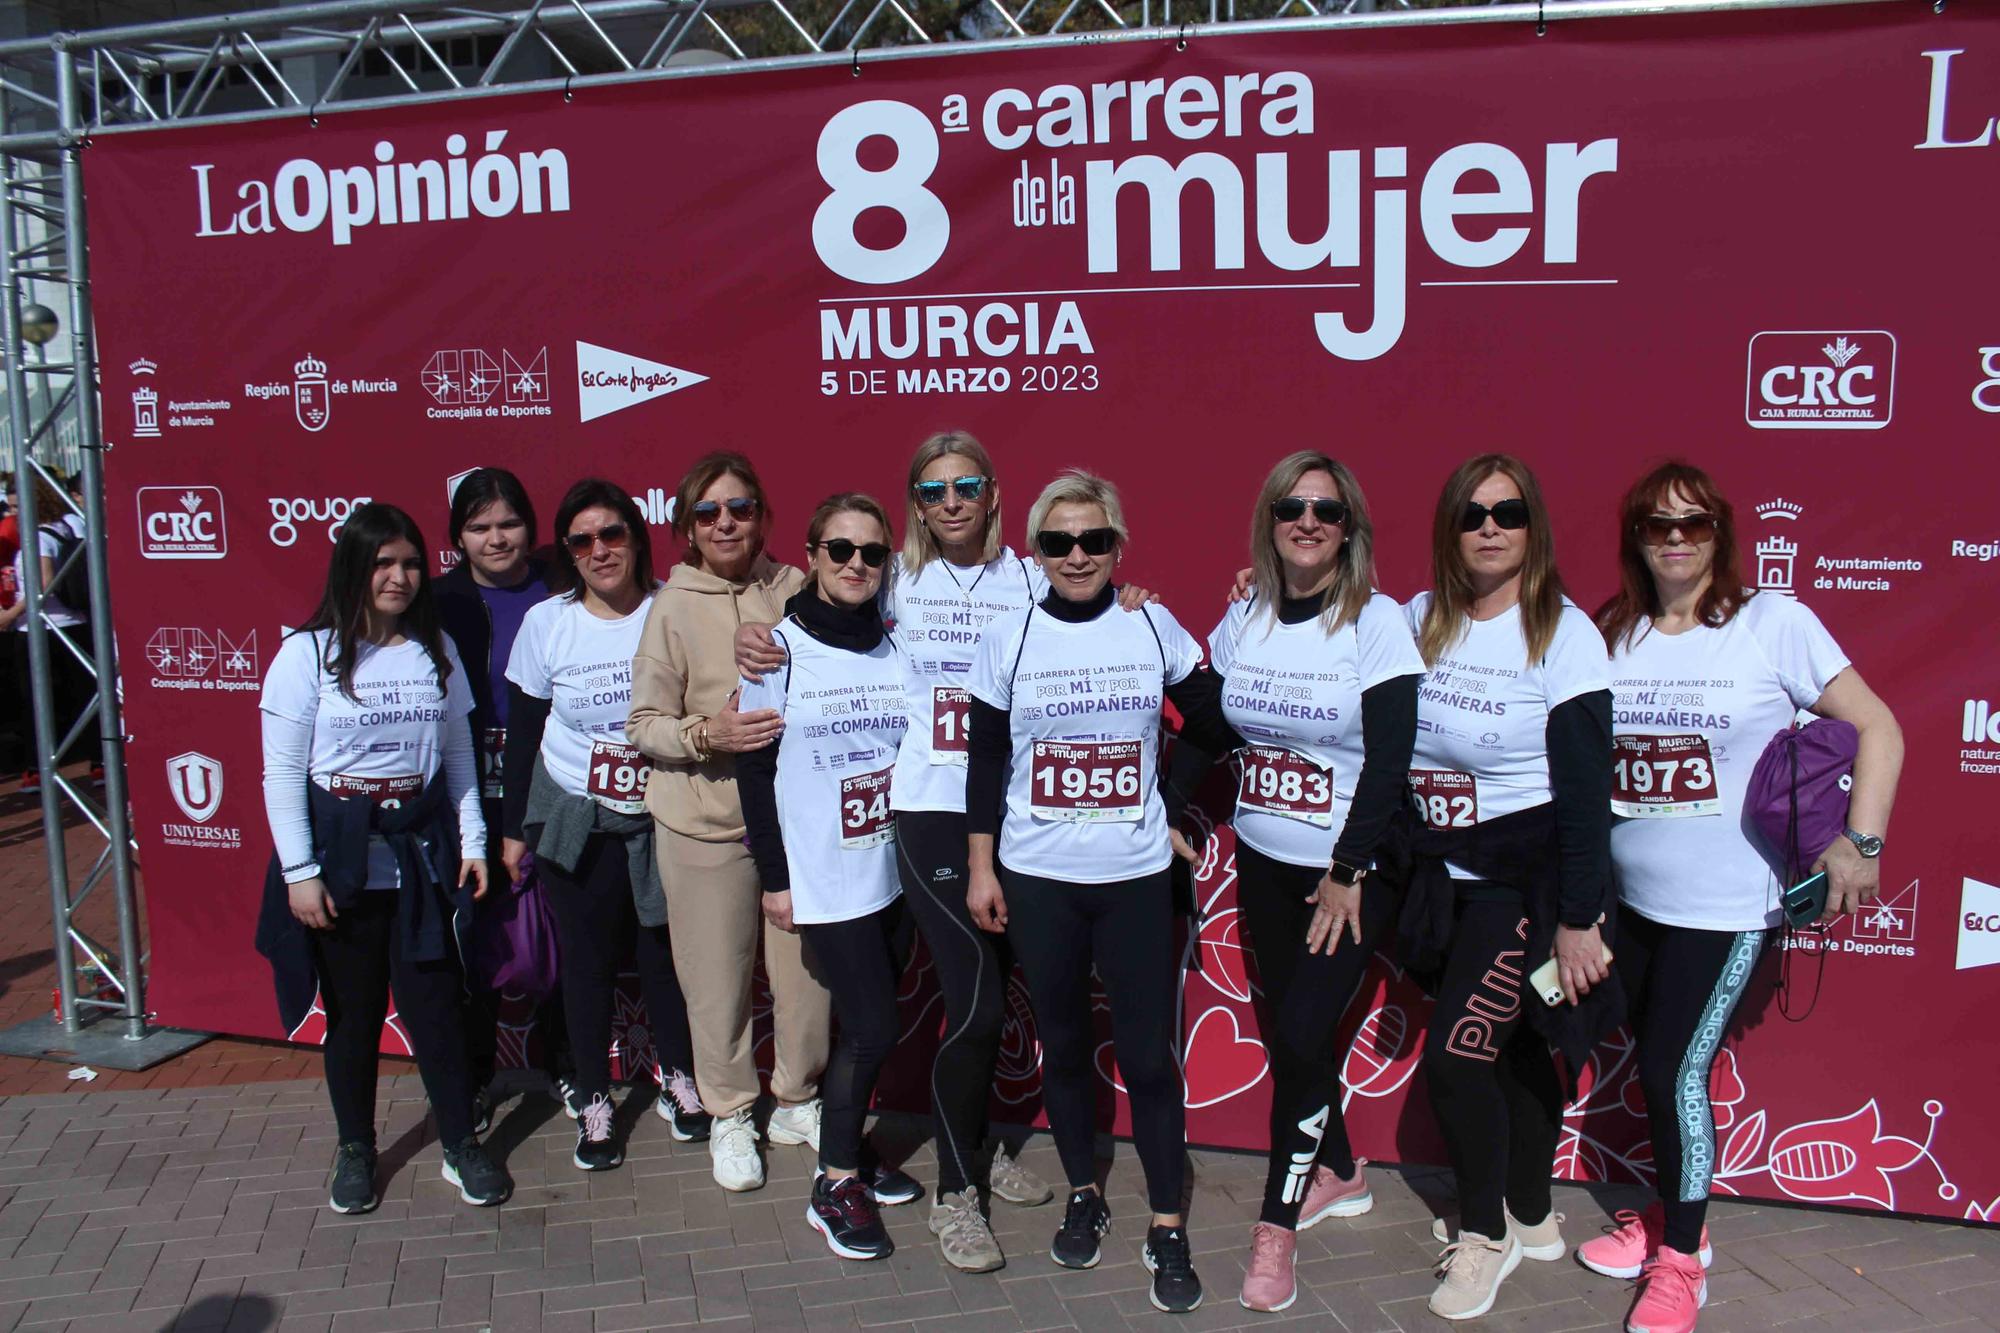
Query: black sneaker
point(480, 1180)
point(885, 1182)
point(482, 1110)
point(1176, 1289)
point(596, 1147)
point(353, 1179)
point(1084, 1223)
point(679, 1104)
point(844, 1212)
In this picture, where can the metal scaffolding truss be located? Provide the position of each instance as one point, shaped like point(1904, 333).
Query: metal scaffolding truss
point(57, 93)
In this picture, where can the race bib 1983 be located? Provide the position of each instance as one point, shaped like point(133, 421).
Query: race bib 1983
point(1277, 781)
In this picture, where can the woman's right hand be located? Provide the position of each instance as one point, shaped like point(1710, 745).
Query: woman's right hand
point(512, 852)
point(734, 732)
point(985, 901)
point(312, 904)
point(1241, 588)
point(778, 911)
point(1337, 911)
point(757, 652)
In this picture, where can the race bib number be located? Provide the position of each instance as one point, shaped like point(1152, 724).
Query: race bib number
point(951, 710)
point(1084, 781)
point(616, 778)
point(492, 751)
point(1662, 777)
point(865, 817)
point(387, 793)
point(1283, 782)
point(1445, 797)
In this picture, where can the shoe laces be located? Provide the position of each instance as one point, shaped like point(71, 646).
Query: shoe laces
point(1080, 1214)
point(1171, 1256)
point(353, 1152)
point(734, 1135)
point(1268, 1247)
point(962, 1209)
point(1463, 1258)
point(1667, 1278)
point(1631, 1226)
point(851, 1197)
point(596, 1119)
point(680, 1087)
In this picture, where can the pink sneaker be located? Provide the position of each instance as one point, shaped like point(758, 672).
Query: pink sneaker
point(1623, 1252)
point(1672, 1291)
point(1268, 1284)
point(1327, 1195)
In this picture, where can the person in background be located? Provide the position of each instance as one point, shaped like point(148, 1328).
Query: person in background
point(371, 790)
point(17, 748)
point(60, 532)
point(1697, 895)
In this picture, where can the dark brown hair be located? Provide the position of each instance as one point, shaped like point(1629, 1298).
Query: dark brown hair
point(1638, 597)
point(596, 493)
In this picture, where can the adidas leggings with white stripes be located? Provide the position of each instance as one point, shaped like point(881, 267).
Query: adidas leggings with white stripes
point(1681, 986)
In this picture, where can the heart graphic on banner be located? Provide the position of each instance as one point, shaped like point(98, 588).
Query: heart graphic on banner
point(1221, 1061)
point(1223, 961)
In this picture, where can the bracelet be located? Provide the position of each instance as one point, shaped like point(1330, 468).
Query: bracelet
point(311, 863)
point(701, 741)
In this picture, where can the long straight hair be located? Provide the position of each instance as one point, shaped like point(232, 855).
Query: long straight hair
point(345, 603)
point(1354, 564)
point(1451, 583)
point(1638, 597)
point(920, 547)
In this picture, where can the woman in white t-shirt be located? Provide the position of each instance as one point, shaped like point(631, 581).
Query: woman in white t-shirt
point(1511, 864)
point(371, 789)
point(816, 807)
point(61, 531)
point(1063, 775)
point(1704, 673)
point(574, 793)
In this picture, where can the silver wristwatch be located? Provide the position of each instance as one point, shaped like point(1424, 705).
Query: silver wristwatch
point(1867, 844)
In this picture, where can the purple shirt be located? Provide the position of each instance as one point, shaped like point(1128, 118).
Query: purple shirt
point(508, 607)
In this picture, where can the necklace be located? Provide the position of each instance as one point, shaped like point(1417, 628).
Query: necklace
point(963, 591)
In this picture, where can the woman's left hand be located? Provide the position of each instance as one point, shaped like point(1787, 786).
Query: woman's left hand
point(1183, 848)
point(1131, 597)
point(1338, 912)
point(1579, 960)
point(476, 872)
point(1852, 880)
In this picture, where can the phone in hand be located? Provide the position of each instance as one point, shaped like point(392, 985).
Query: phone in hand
point(1546, 980)
point(1805, 902)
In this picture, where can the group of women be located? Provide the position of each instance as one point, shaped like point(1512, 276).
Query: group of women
point(951, 737)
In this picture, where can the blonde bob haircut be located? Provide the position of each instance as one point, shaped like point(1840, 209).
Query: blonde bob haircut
point(1077, 487)
point(1451, 585)
point(920, 547)
point(1354, 566)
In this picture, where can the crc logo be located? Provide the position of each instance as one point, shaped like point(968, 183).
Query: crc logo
point(182, 523)
point(196, 783)
point(285, 514)
point(1821, 381)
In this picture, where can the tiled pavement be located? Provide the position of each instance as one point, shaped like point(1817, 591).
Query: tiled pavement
point(156, 1201)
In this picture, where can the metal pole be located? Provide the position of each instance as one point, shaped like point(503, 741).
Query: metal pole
point(83, 357)
point(40, 686)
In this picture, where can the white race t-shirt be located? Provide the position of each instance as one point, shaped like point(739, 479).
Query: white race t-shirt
point(938, 616)
point(844, 720)
point(386, 742)
point(1483, 715)
point(1083, 786)
point(582, 664)
point(1691, 714)
point(1294, 694)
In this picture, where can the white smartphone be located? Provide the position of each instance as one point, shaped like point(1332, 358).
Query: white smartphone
point(1546, 980)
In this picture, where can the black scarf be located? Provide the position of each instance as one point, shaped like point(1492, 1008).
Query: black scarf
point(1076, 613)
point(857, 628)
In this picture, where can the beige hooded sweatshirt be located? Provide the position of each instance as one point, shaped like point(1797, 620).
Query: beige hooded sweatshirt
point(683, 675)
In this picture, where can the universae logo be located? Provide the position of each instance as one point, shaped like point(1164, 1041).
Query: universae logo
point(1821, 380)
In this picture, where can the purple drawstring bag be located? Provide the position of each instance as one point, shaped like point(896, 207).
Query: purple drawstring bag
point(514, 940)
point(1797, 800)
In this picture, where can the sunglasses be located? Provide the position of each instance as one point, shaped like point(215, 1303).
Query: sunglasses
point(930, 494)
point(1292, 508)
point(1509, 514)
point(709, 512)
point(840, 551)
point(1657, 529)
point(1094, 541)
point(615, 536)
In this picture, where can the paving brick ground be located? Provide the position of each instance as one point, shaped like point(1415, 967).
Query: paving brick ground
point(192, 1197)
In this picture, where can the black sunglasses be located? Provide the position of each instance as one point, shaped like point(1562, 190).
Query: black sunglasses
point(1094, 541)
point(615, 537)
point(930, 494)
point(1658, 529)
point(840, 551)
point(1509, 514)
point(1292, 508)
point(709, 512)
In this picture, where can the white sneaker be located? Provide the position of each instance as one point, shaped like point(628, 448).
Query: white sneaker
point(732, 1147)
point(795, 1124)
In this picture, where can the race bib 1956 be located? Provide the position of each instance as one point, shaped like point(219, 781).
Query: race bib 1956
point(951, 709)
point(387, 793)
point(1446, 798)
point(1662, 777)
point(865, 818)
point(1277, 781)
point(617, 777)
point(1084, 781)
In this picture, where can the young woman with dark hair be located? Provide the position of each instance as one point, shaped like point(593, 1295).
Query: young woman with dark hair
point(370, 786)
point(1697, 894)
point(576, 796)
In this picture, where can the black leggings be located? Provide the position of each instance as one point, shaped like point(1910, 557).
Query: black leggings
point(1492, 1080)
point(595, 927)
point(972, 970)
point(1305, 995)
point(859, 961)
point(1681, 986)
point(359, 961)
point(1126, 929)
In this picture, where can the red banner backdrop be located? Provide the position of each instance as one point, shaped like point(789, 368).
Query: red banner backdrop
point(1760, 240)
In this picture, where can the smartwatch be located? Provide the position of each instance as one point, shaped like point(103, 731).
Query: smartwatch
point(1344, 874)
point(1867, 844)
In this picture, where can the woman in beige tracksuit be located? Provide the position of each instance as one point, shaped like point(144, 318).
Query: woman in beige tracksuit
point(684, 718)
